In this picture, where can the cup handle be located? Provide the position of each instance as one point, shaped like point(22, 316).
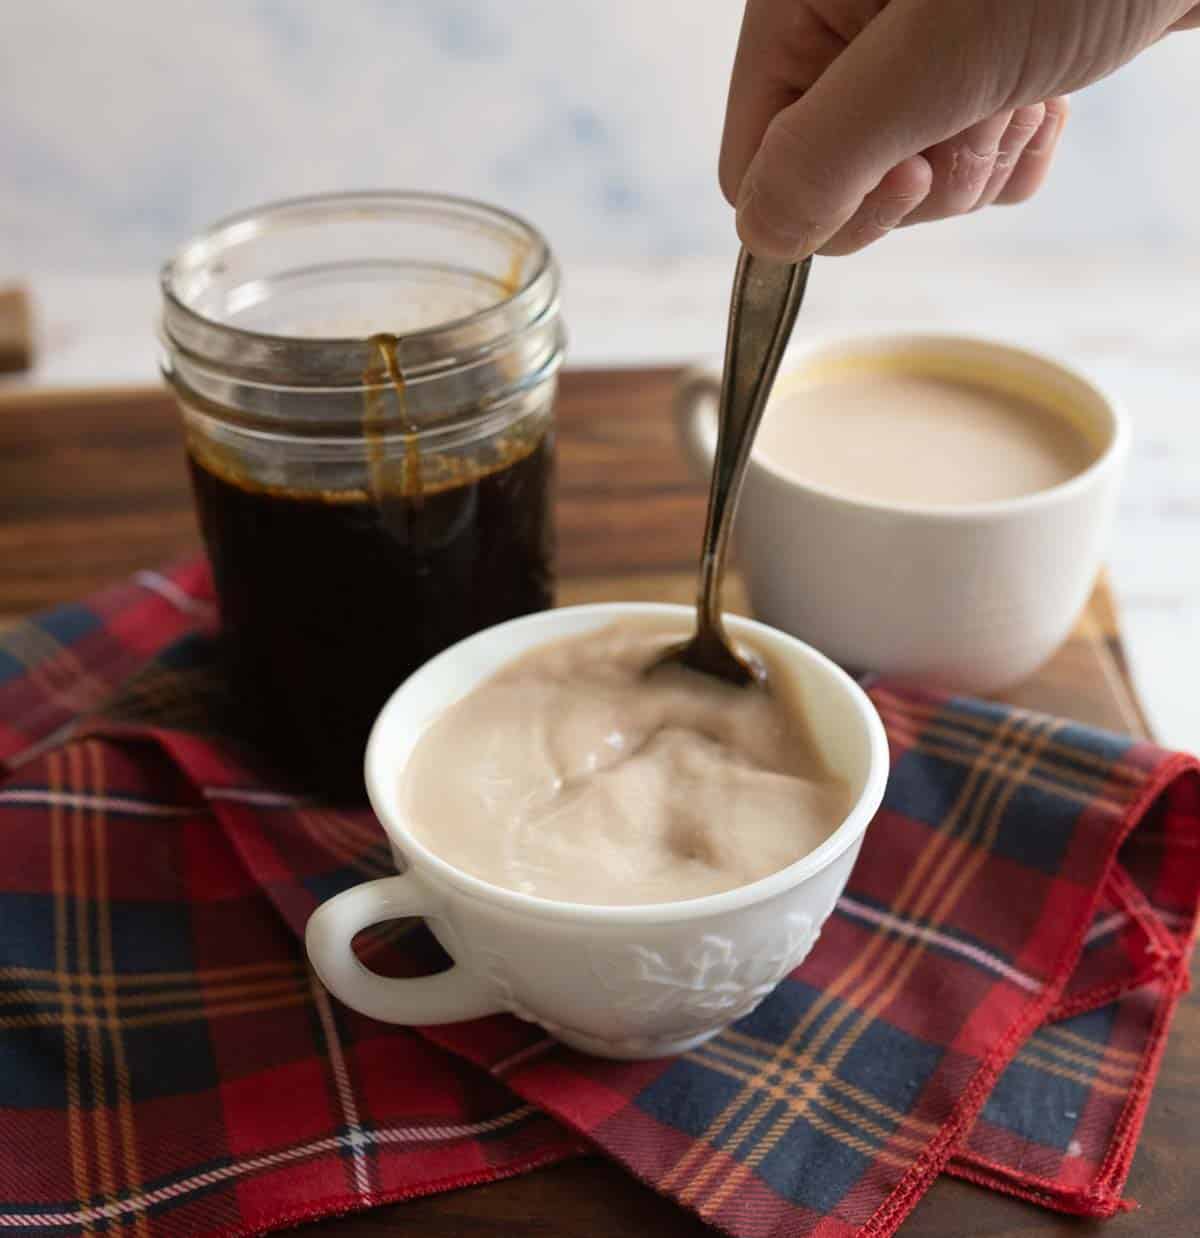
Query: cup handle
point(448, 997)
point(694, 408)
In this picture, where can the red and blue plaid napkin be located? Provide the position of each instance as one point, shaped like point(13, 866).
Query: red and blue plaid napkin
point(990, 999)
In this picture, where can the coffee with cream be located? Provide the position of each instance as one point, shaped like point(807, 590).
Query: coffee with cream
point(899, 435)
point(572, 775)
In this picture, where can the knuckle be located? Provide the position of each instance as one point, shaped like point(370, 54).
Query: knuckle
point(1022, 129)
point(970, 169)
point(1028, 117)
point(1026, 121)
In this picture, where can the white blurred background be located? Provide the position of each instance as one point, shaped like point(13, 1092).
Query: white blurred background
point(125, 126)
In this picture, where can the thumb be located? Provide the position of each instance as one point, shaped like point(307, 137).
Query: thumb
point(919, 73)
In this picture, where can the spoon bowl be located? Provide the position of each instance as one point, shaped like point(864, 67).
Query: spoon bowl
point(708, 651)
point(763, 306)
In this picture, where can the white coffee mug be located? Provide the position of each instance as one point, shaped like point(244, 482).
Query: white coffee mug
point(622, 982)
point(972, 597)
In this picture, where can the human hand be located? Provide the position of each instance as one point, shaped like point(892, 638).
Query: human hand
point(847, 118)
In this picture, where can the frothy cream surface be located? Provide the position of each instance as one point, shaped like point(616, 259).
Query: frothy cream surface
point(921, 440)
point(570, 775)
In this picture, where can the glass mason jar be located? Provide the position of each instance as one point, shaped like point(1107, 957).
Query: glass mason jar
point(367, 385)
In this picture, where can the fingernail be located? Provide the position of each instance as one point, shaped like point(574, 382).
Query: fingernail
point(1046, 135)
point(890, 213)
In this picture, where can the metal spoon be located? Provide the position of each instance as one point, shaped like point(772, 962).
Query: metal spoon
point(762, 311)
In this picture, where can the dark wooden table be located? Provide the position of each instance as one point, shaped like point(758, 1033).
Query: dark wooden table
point(93, 487)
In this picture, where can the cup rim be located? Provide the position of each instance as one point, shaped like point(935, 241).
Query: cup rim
point(833, 341)
point(379, 773)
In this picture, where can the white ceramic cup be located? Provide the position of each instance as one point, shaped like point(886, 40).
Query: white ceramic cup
point(971, 597)
point(623, 982)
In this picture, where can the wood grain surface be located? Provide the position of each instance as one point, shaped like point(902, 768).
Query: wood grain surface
point(16, 330)
point(93, 486)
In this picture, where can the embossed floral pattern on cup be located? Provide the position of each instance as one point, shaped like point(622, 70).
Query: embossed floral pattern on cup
point(712, 980)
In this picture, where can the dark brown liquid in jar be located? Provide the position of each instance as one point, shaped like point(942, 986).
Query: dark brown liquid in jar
point(330, 600)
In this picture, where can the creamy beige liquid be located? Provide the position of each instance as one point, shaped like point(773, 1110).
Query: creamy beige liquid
point(920, 440)
point(572, 776)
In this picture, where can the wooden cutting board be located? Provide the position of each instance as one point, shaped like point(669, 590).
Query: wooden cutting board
point(93, 487)
point(16, 330)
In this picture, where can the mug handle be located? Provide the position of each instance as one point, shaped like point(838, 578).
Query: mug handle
point(694, 408)
point(448, 997)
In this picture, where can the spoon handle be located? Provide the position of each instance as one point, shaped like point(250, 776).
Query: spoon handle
point(762, 311)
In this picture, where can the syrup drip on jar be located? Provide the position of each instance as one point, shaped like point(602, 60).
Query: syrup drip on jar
point(516, 261)
point(375, 416)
